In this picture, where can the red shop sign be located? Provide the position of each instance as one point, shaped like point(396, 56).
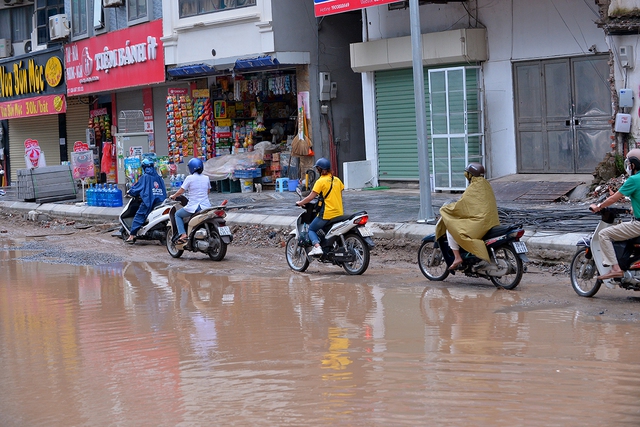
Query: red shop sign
point(125, 58)
point(330, 7)
point(34, 106)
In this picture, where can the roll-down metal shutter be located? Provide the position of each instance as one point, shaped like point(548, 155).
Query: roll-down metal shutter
point(77, 121)
point(396, 125)
point(44, 129)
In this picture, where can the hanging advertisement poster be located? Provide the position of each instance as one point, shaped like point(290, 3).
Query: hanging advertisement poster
point(82, 164)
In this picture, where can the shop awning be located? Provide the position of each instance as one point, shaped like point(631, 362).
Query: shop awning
point(212, 67)
point(191, 70)
point(259, 62)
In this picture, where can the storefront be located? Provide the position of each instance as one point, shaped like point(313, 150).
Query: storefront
point(33, 106)
point(120, 75)
point(233, 112)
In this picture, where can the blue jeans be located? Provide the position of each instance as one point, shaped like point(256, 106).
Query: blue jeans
point(317, 224)
point(180, 216)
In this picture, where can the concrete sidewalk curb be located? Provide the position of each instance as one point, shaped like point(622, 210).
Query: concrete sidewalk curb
point(548, 245)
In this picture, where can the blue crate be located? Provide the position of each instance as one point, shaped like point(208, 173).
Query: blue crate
point(247, 173)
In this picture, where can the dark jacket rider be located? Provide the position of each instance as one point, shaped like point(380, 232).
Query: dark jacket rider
point(151, 189)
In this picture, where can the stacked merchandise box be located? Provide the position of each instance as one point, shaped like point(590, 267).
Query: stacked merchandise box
point(222, 137)
point(275, 170)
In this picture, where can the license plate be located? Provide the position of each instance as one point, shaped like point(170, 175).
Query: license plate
point(224, 231)
point(365, 232)
point(520, 247)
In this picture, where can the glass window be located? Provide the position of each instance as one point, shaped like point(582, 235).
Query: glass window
point(44, 10)
point(20, 27)
point(201, 7)
point(5, 23)
point(137, 10)
point(78, 17)
point(455, 107)
point(98, 15)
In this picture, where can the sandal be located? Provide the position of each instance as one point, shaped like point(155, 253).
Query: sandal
point(181, 241)
point(130, 241)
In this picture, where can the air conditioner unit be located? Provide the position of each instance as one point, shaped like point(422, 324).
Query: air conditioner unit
point(112, 3)
point(12, 2)
point(58, 27)
point(22, 48)
point(5, 48)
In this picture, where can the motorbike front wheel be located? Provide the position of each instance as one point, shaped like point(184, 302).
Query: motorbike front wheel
point(584, 274)
point(171, 248)
point(296, 255)
point(217, 248)
point(507, 257)
point(431, 262)
point(359, 248)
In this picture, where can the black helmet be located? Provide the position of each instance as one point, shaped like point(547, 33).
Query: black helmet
point(323, 164)
point(475, 169)
point(195, 165)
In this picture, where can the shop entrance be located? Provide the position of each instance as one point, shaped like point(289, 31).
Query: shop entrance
point(563, 108)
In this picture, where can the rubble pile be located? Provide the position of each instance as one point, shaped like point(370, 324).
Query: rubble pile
point(607, 188)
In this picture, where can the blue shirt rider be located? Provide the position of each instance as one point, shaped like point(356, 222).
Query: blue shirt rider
point(151, 190)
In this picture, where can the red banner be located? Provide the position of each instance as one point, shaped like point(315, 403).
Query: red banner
point(35, 106)
point(120, 59)
point(330, 7)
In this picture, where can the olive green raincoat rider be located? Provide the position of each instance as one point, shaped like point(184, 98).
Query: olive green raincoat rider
point(471, 217)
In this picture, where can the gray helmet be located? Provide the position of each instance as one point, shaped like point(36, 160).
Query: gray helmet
point(633, 158)
point(475, 169)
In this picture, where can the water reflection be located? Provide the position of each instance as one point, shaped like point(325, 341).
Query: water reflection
point(126, 342)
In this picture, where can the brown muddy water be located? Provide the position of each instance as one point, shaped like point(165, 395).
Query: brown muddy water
point(132, 344)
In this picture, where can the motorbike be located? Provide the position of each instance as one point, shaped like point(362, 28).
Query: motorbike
point(507, 252)
point(586, 264)
point(206, 229)
point(155, 225)
point(346, 241)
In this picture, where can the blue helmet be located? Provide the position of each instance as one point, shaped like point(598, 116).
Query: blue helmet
point(323, 164)
point(195, 165)
point(147, 162)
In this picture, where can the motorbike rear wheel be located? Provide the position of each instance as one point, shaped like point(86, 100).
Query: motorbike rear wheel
point(584, 274)
point(296, 255)
point(217, 248)
point(124, 233)
point(171, 248)
point(359, 248)
point(431, 262)
point(507, 257)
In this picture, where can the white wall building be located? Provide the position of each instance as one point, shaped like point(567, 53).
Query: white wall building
point(542, 80)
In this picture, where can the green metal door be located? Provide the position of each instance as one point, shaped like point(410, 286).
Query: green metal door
point(396, 125)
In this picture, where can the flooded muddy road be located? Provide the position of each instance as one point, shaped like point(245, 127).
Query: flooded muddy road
point(94, 333)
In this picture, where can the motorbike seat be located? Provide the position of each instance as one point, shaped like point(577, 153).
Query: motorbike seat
point(345, 217)
point(499, 230)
